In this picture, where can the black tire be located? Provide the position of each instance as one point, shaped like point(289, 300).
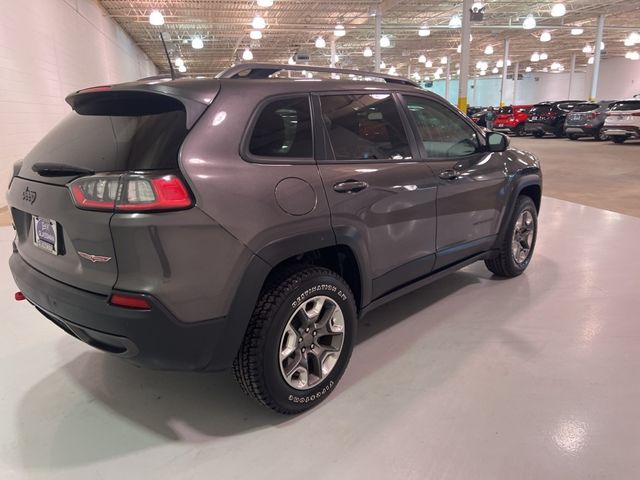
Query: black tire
point(600, 136)
point(257, 366)
point(618, 139)
point(538, 134)
point(520, 130)
point(573, 136)
point(504, 264)
point(558, 134)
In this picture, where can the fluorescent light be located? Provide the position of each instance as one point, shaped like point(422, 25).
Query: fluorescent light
point(385, 42)
point(182, 69)
point(179, 62)
point(443, 61)
point(558, 10)
point(197, 43)
point(367, 52)
point(422, 59)
point(529, 22)
point(424, 31)
point(577, 31)
point(543, 56)
point(265, 3)
point(156, 18)
point(455, 21)
point(255, 35)
point(247, 55)
point(339, 30)
point(428, 63)
point(499, 64)
point(545, 37)
point(258, 22)
point(488, 50)
point(320, 43)
point(535, 57)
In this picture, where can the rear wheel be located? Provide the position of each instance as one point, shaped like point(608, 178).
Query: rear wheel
point(518, 242)
point(538, 134)
point(618, 139)
point(520, 130)
point(601, 136)
point(299, 340)
point(573, 136)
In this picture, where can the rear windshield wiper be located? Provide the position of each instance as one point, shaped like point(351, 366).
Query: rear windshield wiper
point(59, 170)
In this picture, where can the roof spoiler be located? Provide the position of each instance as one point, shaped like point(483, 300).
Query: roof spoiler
point(264, 70)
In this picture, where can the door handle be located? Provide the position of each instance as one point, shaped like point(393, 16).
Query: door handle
point(350, 186)
point(449, 174)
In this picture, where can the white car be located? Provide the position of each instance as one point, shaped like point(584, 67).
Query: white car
point(623, 121)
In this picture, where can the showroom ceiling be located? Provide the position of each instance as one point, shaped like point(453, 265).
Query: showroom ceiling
point(293, 25)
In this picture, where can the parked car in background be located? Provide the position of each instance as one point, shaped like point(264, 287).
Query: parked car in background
point(549, 117)
point(623, 121)
point(512, 119)
point(471, 111)
point(480, 118)
point(587, 120)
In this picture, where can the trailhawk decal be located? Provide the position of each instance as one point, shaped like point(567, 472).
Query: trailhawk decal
point(317, 289)
point(313, 397)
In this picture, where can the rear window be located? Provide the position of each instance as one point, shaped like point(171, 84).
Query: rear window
point(567, 107)
point(624, 106)
point(586, 107)
point(113, 136)
point(538, 109)
point(506, 110)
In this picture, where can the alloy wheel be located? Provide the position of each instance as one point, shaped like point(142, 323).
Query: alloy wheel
point(523, 234)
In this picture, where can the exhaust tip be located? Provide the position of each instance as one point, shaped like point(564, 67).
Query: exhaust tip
point(19, 296)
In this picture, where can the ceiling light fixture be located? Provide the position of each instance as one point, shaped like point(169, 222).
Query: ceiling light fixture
point(529, 22)
point(385, 42)
point(392, 70)
point(265, 3)
point(535, 57)
point(156, 18)
point(424, 31)
point(291, 61)
point(339, 30)
point(320, 43)
point(495, 70)
point(197, 43)
point(544, 56)
point(179, 62)
point(590, 61)
point(444, 60)
point(422, 59)
point(182, 69)
point(258, 22)
point(459, 49)
point(545, 37)
point(499, 64)
point(634, 37)
point(367, 52)
point(439, 71)
point(635, 55)
point(577, 31)
point(558, 10)
point(545, 69)
point(587, 49)
point(383, 65)
point(528, 69)
point(247, 54)
point(488, 50)
point(455, 21)
point(255, 35)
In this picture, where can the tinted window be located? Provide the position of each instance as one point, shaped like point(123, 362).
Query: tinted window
point(567, 107)
point(442, 131)
point(586, 107)
point(365, 127)
point(540, 109)
point(283, 129)
point(622, 106)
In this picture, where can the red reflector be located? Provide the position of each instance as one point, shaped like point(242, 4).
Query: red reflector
point(129, 301)
point(20, 296)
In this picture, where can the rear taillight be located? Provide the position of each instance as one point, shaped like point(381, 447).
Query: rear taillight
point(135, 192)
point(135, 302)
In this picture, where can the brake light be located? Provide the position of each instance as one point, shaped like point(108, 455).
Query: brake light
point(135, 302)
point(130, 192)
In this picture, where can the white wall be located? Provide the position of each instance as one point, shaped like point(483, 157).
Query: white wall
point(619, 78)
point(49, 48)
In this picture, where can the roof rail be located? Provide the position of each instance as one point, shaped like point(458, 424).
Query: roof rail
point(263, 70)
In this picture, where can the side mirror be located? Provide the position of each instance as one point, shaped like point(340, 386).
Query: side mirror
point(497, 142)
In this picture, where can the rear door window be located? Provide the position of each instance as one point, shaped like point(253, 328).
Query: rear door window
point(443, 133)
point(567, 107)
point(283, 130)
point(626, 106)
point(586, 107)
point(365, 127)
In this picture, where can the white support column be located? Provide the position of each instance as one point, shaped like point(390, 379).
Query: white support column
point(596, 60)
point(475, 90)
point(505, 59)
point(516, 71)
point(378, 34)
point(463, 78)
point(447, 78)
point(332, 63)
point(571, 74)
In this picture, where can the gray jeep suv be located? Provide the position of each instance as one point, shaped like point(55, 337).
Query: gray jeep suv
point(249, 220)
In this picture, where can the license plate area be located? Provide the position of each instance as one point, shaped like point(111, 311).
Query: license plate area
point(45, 234)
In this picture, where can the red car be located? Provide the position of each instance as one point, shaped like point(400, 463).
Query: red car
point(511, 119)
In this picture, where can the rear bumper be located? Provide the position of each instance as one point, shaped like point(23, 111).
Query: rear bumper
point(152, 338)
point(532, 127)
point(629, 132)
point(580, 130)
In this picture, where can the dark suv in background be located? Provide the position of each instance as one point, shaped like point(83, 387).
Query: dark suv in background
point(247, 221)
point(549, 117)
point(587, 120)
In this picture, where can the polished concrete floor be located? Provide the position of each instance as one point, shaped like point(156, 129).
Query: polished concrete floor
point(469, 378)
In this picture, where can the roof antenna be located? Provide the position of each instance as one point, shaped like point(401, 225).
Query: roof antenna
point(173, 73)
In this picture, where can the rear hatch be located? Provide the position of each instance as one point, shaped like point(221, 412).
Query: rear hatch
point(542, 113)
point(112, 131)
point(624, 113)
point(583, 113)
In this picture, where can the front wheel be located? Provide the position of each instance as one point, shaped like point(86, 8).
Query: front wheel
point(299, 340)
point(538, 134)
point(518, 242)
point(520, 130)
point(618, 139)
